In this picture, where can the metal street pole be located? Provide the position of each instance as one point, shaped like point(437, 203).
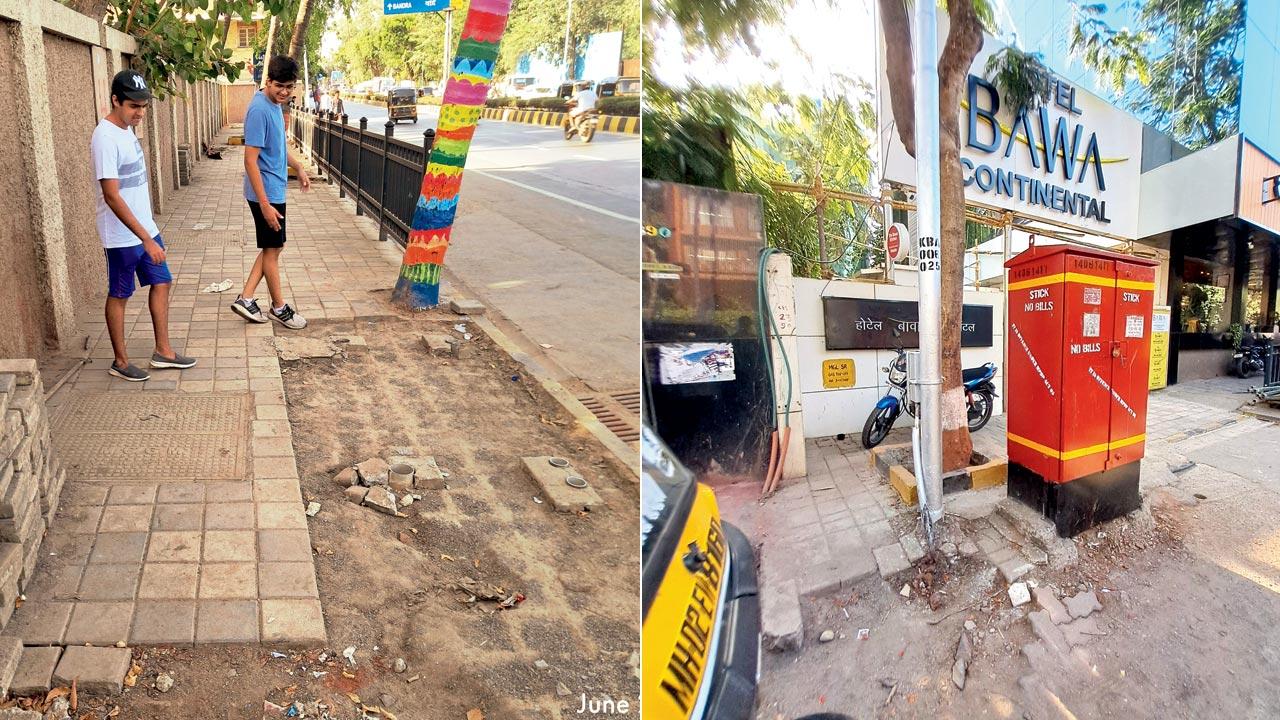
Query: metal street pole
point(568, 16)
point(928, 192)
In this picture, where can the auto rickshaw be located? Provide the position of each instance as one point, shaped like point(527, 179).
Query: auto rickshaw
point(402, 104)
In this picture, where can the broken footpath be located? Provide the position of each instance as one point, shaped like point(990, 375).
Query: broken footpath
point(1148, 615)
point(349, 520)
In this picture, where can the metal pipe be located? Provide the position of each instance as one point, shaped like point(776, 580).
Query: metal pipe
point(930, 253)
point(886, 209)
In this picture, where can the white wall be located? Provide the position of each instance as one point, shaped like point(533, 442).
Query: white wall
point(829, 412)
point(1189, 190)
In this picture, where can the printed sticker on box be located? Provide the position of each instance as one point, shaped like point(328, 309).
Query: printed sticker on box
point(1092, 296)
point(1134, 326)
point(1092, 325)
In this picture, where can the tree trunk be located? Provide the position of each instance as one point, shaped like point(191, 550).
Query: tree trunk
point(300, 29)
point(898, 67)
point(267, 51)
point(226, 28)
point(964, 40)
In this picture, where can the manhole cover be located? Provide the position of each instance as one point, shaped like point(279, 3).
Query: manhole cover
point(620, 412)
point(152, 437)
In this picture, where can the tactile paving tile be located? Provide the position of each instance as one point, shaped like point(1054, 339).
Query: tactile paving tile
point(187, 238)
point(122, 437)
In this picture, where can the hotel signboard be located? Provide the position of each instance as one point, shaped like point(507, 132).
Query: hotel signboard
point(1075, 160)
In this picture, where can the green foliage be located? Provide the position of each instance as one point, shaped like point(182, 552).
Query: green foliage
point(715, 24)
point(172, 48)
point(801, 140)
point(1177, 69)
point(412, 46)
point(406, 47)
point(554, 104)
point(688, 136)
point(1022, 78)
point(743, 141)
point(628, 106)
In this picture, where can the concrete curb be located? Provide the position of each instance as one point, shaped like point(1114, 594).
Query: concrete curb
point(628, 458)
point(608, 123)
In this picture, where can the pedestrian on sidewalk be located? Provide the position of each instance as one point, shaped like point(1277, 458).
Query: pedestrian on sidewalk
point(128, 232)
point(266, 163)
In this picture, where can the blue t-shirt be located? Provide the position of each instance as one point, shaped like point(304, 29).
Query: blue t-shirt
point(264, 129)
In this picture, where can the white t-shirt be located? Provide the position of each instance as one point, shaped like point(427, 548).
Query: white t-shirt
point(586, 100)
point(117, 154)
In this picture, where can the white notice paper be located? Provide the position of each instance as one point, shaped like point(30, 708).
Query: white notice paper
point(1092, 325)
point(1134, 325)
point(1092, 296)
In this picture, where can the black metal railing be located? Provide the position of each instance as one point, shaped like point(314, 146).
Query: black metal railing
point(380, 172)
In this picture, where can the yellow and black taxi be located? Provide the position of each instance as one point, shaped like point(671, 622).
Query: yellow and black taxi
point(402, 104)
point(699, 599)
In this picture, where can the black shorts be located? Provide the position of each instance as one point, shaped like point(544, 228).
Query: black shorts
point(267, 238)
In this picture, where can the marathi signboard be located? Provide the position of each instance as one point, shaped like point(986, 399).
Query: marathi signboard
point(1075, 160)
point(1159, 367)
point(862, 324)
point(404, 7)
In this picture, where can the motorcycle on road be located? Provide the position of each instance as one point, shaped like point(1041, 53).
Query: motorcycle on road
point(584, 125)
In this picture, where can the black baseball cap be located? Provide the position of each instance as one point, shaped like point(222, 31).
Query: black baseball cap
point(128, 84)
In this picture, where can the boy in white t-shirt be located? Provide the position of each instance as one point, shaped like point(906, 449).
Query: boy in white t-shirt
point(129, 234)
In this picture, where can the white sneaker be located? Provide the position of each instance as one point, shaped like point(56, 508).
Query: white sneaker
point(248, 309)
point(288, 318)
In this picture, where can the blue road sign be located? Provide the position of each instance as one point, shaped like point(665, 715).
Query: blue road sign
point(403, 7)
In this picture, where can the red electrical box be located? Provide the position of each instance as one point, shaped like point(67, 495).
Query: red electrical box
point(1079, 343)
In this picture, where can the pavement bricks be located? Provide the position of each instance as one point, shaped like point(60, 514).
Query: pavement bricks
point(34, 674)
point(95, 669)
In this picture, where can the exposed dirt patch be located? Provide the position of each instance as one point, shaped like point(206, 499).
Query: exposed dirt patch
point(390, 591)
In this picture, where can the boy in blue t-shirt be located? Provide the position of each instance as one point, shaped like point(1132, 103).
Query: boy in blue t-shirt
point(266, 162)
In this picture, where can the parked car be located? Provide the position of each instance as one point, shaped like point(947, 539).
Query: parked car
point(700, 605)
point(615, 86)
point(536, 91)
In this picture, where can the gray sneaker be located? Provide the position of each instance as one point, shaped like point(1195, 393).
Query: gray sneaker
point(130, 372)
point(180, 361)
point(288, 318)
point(248, 309)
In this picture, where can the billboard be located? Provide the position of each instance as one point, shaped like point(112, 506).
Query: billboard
point(1075, 160)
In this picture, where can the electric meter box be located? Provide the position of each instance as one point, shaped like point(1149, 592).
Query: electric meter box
point(1079, 345)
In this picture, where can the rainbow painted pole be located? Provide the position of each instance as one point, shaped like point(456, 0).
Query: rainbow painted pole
point(419, 284)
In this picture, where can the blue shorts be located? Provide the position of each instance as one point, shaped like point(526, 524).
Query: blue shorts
point(123, 263)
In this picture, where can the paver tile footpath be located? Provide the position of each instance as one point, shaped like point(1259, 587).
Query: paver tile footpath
point(202, 537)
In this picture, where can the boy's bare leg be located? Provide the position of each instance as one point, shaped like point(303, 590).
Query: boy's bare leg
point(115, 327)
point(158, 302)
point(271, 271)
point(255, 277)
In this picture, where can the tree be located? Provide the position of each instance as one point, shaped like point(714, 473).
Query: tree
point(180, 40)
point(1177, 69)
point(715, 24)
point(431, 229)
point(964, 40)
point(403, 45)
point(303, 20)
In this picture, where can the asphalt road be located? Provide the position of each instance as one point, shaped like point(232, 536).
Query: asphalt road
point(547, 234)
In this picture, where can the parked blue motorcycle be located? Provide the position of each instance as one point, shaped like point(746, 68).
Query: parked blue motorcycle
point(979, 393)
